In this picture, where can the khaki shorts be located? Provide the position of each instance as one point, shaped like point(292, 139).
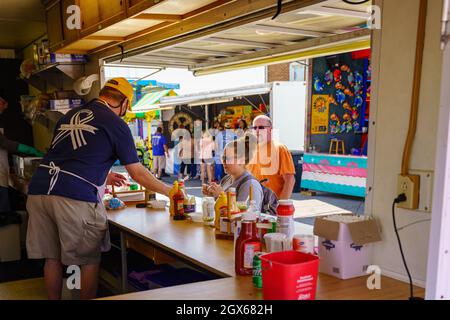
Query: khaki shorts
point(74, 232)
point(159, 162)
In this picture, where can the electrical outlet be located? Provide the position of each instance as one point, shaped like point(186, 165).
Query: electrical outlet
point(425, 189)
point(410, 186)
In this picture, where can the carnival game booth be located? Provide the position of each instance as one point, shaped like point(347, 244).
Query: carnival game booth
point(336, 161)
point(285, 102)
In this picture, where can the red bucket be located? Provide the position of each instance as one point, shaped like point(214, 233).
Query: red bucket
point(289, 275)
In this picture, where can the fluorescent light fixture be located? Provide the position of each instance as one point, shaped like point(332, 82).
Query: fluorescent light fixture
point(208, 102)
point(263, 28)
point(329, 11)
point(153, 109)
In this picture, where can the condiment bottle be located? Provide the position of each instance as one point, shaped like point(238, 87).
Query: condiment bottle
point(179, 205)
point(285, 218)
point(220, 208)
point(232, 202)
point(247, 244)
point(183, 189)
point(172, 193)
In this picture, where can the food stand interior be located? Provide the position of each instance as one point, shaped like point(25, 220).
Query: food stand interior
point(217, 36)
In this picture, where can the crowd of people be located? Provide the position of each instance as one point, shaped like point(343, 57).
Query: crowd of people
point(222, 157)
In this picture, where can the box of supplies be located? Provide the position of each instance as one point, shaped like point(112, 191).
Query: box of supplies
point(67, 58)
point(10, 243)
point(64, 104)
point(345, 244)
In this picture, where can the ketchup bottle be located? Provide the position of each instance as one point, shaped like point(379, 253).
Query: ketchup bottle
point(247, 244)
point(178, 200)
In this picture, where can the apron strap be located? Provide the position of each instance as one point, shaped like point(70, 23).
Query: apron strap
point(54, 172)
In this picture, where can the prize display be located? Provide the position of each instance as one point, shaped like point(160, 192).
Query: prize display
point(341, 93)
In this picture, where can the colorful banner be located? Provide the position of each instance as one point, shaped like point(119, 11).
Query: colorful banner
point(320, 114)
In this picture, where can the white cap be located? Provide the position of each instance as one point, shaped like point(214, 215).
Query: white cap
point(249, 216)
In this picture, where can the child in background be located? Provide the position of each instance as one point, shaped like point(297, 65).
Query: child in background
point(206, 156)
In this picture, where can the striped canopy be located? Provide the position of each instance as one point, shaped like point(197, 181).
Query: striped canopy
point(151, 100)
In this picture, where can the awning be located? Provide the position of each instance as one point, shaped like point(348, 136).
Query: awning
point(151, 101)
point(214, 97)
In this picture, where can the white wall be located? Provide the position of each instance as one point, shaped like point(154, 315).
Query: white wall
point(288, 111)
point(394, 68)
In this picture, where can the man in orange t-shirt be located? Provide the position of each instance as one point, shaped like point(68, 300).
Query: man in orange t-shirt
point(273, 160)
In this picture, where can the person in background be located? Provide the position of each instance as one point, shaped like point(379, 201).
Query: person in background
point(185, 156)
point(14, 147)
point(242, 125)
point(273, 161)
point(68, 224)
point(160, 152)
point(206, 156)
point(193, 172)
point(241, 128)
point(219, 144)
point(235, 161)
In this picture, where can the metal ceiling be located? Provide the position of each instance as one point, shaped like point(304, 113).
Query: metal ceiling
point(305, 28)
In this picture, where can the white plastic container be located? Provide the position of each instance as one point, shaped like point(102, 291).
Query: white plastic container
point(285, 223)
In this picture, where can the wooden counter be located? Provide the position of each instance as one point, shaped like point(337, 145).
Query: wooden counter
point(241, 288)
point(190, 241)
point(197, 244)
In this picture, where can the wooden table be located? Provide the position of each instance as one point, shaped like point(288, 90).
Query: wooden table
point(316, 208)
point(197, 244)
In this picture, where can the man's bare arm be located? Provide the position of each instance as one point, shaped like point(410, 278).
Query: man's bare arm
point(142, 176)
point(288, 187)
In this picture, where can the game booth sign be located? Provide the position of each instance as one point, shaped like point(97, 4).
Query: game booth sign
point(336, 161)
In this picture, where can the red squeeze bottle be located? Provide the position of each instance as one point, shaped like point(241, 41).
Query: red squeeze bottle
point(178, 200)
point(247, 244)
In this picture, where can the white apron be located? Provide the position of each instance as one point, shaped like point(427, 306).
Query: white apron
point(54, 172)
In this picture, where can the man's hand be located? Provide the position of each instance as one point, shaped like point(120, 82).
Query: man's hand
point(142, 176)
point(116, 179)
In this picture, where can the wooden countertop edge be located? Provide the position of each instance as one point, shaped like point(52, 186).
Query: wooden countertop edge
point(179, 254)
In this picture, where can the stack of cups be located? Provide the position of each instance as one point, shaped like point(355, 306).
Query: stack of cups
point(304, 243)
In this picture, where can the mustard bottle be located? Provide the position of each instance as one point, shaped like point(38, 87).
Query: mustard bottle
point(220, 209)
point(172, 193)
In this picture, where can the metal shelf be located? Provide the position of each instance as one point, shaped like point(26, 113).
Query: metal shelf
point(56, 75)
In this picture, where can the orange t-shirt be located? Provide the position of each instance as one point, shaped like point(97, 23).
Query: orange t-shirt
point(272, 162)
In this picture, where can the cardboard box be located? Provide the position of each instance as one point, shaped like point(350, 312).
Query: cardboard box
point(345, 245)
point(67, 58)
point(10, 243)
point(63, 104)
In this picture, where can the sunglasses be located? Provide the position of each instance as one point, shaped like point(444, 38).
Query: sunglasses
point(260, 128)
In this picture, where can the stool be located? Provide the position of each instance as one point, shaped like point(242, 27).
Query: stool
point(337, 146)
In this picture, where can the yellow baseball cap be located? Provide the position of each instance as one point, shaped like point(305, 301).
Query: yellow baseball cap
point(123, 86)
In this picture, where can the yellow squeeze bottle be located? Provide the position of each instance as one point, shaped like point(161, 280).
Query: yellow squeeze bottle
point(220, 209)
point(172, 193)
